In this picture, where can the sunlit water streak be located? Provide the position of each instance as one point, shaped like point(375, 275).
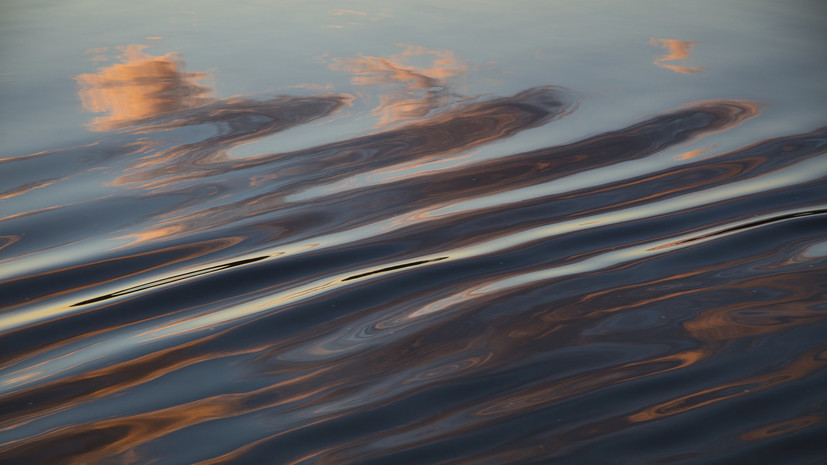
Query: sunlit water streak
point(423, 291)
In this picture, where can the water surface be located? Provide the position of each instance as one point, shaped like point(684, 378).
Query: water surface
point(413, 232)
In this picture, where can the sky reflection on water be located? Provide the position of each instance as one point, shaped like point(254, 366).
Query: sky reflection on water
point(413, 232)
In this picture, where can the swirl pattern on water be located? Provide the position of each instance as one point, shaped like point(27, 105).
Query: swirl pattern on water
point(398, 298)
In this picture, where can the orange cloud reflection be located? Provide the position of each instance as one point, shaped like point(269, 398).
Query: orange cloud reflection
point(422, 89)
point(676, 50)
point(140, 87)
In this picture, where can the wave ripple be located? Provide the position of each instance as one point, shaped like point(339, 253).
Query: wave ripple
point(401, 297)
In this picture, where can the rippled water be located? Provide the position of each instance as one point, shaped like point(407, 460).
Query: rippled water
point(413, 233)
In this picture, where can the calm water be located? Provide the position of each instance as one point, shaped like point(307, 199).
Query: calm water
point(400, 232)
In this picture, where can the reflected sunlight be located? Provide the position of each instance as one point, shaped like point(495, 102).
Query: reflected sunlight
point(143, 86)
point(422, 89)
point(676, 50)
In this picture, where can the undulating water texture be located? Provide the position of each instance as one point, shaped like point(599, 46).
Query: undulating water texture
point(413, 233)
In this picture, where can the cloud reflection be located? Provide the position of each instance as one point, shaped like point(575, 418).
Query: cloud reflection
point(417, 90)
point(675, 50)
point(142, 86)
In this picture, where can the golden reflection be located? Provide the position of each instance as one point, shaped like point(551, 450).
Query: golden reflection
point(675, 50)
point(750, 318)
point(797, 369)
point(130, 432)
point(140, 87)
point(419, 90)
point(782, 427)
point(20, 190)
point(693, 153)
point(8, 240)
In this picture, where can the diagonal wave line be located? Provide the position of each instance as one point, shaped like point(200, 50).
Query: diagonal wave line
point(280, 301)
point(78, 359)
point(614, 258)
point(801, 172)
point(172, 279)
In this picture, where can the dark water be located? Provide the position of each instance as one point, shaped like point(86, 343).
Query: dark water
point(413, 233)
